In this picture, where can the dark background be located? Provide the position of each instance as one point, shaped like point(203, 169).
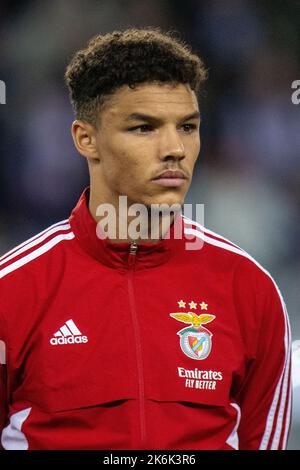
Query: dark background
point(248, 173)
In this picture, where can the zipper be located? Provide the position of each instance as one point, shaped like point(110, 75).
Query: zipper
point(138, 346)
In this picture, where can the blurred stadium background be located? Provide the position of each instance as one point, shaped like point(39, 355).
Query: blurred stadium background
point(248, 174)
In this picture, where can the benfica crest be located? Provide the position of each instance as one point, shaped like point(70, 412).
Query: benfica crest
point(195, 341)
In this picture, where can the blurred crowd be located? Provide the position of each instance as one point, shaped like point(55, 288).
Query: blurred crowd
point(248, 173)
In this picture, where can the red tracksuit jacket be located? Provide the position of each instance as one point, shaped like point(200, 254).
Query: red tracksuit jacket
point(104, 346)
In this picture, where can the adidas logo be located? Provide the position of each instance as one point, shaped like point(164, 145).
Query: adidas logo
point(68, 334)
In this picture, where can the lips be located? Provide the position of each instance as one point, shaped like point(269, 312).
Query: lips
point(171, 174)
point(170, 179)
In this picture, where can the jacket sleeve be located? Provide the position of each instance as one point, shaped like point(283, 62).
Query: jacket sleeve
point(3, 380)
point(265, 396)
point(3, 399)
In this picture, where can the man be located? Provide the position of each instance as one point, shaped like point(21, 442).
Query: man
point(119, 341)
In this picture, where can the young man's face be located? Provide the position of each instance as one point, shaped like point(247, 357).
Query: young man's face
point(144, 132)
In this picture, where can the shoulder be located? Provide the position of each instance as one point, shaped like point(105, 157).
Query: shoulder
point(255, 293)
point(243, 266)
point(26, 272)
point(35, 250)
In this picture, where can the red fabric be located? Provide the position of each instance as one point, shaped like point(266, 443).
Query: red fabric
point(131, 385)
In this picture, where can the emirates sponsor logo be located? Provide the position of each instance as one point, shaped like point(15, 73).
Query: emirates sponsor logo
point(200, 379)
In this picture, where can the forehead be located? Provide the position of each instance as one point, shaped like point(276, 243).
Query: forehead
point(157, 99)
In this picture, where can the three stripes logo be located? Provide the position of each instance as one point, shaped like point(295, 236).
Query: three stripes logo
point(68, 334)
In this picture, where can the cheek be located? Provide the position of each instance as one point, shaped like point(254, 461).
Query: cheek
point(128, 156)
point(195, 149)
point(122, 169)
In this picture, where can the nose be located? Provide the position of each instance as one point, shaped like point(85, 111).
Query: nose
point(171, 145)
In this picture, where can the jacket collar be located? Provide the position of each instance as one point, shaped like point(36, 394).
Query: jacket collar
point(117, 255)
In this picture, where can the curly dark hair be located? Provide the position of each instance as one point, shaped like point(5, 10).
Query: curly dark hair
point(129, 57)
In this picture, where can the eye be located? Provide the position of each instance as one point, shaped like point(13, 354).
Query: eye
point(142, 129)
point(188, 128)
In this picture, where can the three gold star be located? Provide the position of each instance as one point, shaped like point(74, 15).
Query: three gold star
point(193, 304)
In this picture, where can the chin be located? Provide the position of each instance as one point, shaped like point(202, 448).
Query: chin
point(166, 199)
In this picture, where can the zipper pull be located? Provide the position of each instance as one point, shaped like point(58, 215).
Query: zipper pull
point(132, 252)
point(133, 248)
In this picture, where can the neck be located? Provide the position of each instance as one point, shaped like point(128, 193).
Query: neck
point(122, 225)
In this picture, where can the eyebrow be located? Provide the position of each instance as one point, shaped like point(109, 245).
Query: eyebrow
point(150, 118)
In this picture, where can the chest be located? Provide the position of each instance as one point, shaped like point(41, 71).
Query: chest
point(175, 336)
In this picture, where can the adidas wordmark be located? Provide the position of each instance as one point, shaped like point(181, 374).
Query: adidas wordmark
point(68, 334)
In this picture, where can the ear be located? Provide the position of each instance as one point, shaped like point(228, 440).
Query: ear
point(84, 137)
